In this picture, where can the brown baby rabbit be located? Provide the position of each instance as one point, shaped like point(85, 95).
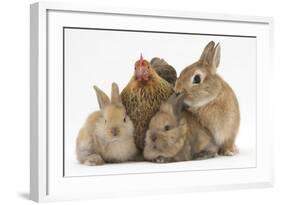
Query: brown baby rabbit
point(107, 135)
point(175, 135)
point(211, 99)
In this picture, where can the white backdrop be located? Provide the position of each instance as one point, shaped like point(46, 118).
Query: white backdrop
point(14, 87)
point(94, 57)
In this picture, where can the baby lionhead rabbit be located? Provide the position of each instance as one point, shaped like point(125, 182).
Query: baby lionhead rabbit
point(107, 135)
point(211, 99)
point(175, 135)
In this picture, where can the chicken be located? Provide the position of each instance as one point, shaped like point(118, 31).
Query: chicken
point(164, 70)
point(143, 96)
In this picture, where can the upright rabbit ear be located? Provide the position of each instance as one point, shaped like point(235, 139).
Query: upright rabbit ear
point(211, 56)
point(103, 99)
point(168, 106)
point(177, 104)
point(115, 96)
point(216, 56)
point(207, 52)
point(172, 98)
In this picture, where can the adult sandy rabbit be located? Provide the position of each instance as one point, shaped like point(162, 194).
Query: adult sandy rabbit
point(211, 99)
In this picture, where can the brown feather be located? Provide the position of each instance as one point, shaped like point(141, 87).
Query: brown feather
point(164, 70)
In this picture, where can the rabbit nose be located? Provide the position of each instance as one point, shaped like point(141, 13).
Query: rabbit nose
point(153, 137)
point(115, 131)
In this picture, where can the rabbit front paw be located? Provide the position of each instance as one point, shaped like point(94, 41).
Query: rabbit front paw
point(94, 160)
point(161, 160)
point(229, 151)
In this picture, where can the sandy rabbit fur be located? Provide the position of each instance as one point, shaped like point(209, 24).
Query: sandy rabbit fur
point(107, 135)
point(175, 135)
point(211, 99)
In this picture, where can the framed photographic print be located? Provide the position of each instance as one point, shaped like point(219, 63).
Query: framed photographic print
point(130, 102)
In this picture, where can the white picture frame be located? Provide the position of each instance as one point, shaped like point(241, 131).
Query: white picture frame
point(47, 181)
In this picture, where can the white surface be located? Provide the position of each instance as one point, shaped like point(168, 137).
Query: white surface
point(14, 183)
point(94, 57)
point(245, 159)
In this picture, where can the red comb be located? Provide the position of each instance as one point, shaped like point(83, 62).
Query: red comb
point(141, 59)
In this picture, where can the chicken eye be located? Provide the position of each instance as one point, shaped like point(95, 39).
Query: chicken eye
point(167, 127)
point(196, 79)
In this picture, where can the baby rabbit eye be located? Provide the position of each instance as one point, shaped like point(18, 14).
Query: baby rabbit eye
point(196, 79)
point(167, 127)
point(124, 119)
point(105, 121)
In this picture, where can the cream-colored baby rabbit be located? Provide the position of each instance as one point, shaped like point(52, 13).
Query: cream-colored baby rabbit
point(107, 135)
point(211, 99)
point(175, 135)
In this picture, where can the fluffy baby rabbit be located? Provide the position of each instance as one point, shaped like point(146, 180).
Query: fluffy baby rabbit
point(175, 135)
point(107, 135)
point(211, 99)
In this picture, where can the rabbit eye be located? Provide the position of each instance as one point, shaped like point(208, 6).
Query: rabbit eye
point(167, 127)
point(196, 79)
point(124, 119)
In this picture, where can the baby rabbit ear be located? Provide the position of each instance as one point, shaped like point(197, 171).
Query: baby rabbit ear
point(172, 98)
point(168, 106)
point(115, 97)
point(103, 99)
point(177, 104)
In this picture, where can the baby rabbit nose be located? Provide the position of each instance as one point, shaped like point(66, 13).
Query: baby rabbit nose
point(115, 131)
point(153, 137)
